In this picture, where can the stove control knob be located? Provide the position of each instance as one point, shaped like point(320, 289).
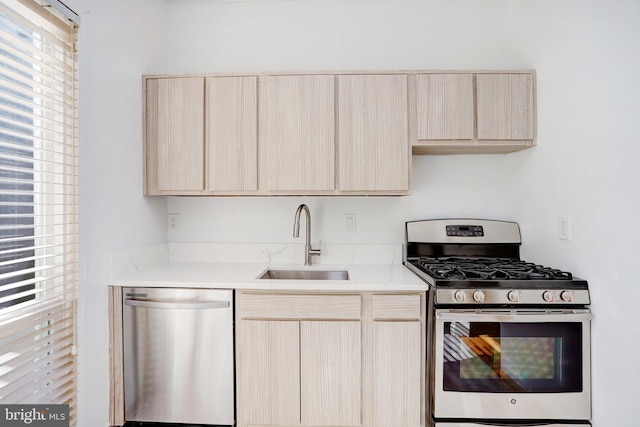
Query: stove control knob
point(459, 296)
point(478, 296)
point(565, 296)
point(513, 296)
point(548, 296)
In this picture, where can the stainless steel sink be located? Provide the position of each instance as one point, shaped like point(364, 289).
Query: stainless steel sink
point(306, 275)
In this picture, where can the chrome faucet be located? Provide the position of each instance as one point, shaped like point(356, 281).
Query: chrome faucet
point(308, 250)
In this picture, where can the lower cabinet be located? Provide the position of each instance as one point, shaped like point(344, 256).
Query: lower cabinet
point(319, 359)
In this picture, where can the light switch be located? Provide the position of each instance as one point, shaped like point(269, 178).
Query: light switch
point(565, 228)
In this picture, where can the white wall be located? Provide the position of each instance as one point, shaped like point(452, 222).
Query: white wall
point(119, 41)
point(584, 167)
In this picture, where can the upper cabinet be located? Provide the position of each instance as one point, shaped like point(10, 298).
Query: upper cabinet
point(373, 134)
point(200, 135)
point(174, 138)
point(489, 112)
point(231, 135)
point(445, 107)
point(297, 134)
point(324, 133)
point(505, 107)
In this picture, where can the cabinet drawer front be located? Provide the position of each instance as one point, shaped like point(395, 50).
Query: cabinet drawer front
point(279, 306)
point(390, 307)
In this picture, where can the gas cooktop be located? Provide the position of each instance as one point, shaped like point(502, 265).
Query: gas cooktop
point(471, 261)
point(470, 268)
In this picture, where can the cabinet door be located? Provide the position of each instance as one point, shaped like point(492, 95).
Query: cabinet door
point(330, 361)
point(268, 372)
point(373, 133)
point(445, 109)
point(296, 134)
point(505, 106)
point(231, 134)
point(394, 360)
point(396, 378)
point(175, 135)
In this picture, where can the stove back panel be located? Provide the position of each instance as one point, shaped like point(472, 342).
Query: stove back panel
point(494, 250)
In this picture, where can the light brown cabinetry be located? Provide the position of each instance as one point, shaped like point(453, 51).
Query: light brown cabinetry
point(298, 359)
point(231, 135)
point(318, 359)
point(300, 130)
point(396, 351)
point(373, 134)
point(488, 112)
point(445, 107)
point(296, 134)
point(325, 133)
point(200, 135)
point(505, 107)
point(174, 139)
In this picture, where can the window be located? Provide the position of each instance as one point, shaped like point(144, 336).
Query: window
point(38, 204)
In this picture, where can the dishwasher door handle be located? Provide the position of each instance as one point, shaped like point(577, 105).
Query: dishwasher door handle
point(175, 304)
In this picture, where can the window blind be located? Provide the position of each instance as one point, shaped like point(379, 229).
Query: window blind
point(38, 205)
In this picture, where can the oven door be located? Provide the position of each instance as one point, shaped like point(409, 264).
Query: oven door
point(512, 364)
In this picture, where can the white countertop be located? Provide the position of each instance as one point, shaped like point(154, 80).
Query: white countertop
point(182, 265)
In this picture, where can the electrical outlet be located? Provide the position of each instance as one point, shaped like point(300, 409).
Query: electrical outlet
point(173, 221)
point(350, 222)
point(565, 228)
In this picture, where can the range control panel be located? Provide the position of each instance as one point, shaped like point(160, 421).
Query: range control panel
point(465, 230)
point(512, 296)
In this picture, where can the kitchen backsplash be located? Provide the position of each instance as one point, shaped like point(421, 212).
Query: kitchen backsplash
point(267, 253)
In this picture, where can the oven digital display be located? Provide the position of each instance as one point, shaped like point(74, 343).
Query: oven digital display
point(465, 231)
point(512, 357)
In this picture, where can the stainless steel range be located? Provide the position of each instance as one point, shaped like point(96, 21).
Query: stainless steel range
point(510, 339)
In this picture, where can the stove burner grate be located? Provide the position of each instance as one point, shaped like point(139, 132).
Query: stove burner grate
point(461, 268)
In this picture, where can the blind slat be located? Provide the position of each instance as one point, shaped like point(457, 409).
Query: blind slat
point(25, 355)
point(46, 386)
point(14, 329)
point(33, 382)
point(64, 390)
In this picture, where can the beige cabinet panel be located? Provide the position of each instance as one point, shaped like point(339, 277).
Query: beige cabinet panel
point(330, 373)
point(292, 371)
point(397, 307)
point(268, 372)
point(373, 133)
point(396, 374)
point(231, 134)
point(174, 133)
point(445, 108)
point(477, 112)
point(116, 357)
point(296, 132)
point(505, 106)
point(267, 305)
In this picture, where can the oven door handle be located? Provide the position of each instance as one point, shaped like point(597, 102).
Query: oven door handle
point(515, 316)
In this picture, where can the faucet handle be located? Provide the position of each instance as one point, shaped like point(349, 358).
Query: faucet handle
point(316, 251)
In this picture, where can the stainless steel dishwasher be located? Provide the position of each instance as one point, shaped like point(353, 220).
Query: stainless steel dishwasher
point(178, 355)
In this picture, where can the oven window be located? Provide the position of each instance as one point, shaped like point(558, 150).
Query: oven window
point(512, 357)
